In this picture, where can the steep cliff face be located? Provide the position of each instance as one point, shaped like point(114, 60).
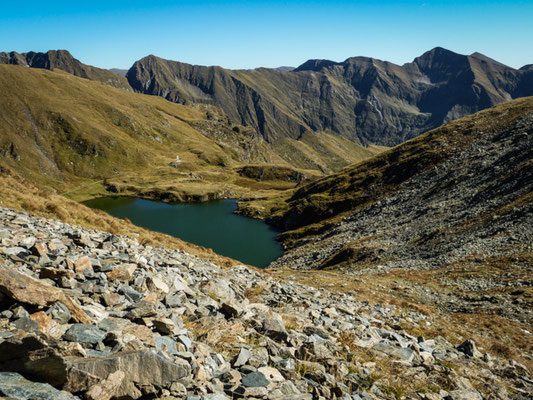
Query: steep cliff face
point(63, 60)
point(361, 99)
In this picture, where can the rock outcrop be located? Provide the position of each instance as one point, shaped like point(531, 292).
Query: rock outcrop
point(163, 324)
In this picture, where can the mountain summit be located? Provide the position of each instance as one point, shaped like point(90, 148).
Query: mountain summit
point(361, 99)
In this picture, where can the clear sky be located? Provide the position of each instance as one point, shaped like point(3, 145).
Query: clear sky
point(249, 34)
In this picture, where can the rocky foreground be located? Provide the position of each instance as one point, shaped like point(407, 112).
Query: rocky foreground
point(87, 314)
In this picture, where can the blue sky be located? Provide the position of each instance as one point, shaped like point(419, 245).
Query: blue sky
point(249, 34)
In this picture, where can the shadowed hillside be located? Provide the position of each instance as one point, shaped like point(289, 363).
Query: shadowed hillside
point(461, 190)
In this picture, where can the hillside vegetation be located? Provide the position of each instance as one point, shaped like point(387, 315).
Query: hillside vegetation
point(69, 133)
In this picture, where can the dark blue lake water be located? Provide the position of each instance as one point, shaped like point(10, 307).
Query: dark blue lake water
point(211, 224)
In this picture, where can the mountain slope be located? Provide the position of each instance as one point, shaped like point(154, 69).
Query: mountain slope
point(64, 132)
point(361, 99)
point(63, 60)
point(459, 191)
point(56, 97)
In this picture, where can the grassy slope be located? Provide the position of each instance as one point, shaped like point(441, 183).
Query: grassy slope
point(69, 134)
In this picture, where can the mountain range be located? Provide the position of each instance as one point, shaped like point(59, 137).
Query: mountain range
point(397, 262)
point(361, 99)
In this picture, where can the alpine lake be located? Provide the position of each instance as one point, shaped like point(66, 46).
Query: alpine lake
point(210, 224)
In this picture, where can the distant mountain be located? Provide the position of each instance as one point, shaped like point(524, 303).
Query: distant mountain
point(459, 192)
point(63, 60)
point(284, 69)
point(360, 99)
point(118, 71)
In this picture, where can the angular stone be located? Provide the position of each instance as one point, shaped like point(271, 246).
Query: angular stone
point(242, 358)
point(186, 341)
point(106, 389)
point(107, 325)
point(464, 394)
point(141, 332)
point(16, 251)
point(141, 310)
point(156, 284)
point(55, 273)
point(39, 249)
point(112, 299)
point(27, 324)
point(274, 329)
point(166, 344)
point(59, 312)
point(83, 239)
point(82, 333)
point(402, 353)
point(83, 264)
point(219, 289)
point(75, 374)
point(255, 379)
point(164, 326)
point(15, 386)
point(315, 330)
point(26, 289)
point(123, 272)
point(468, 347)
point(47, 325)
point(131, 294)
point(272, 374)
point(20, 312)
point(175, 300)
point(214, 396)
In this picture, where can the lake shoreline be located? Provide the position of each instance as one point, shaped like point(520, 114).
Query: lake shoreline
point(212, 224)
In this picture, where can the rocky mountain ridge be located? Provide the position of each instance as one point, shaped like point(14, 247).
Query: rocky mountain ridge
point(86, 313)
point(361, 99)
point(63, 60)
